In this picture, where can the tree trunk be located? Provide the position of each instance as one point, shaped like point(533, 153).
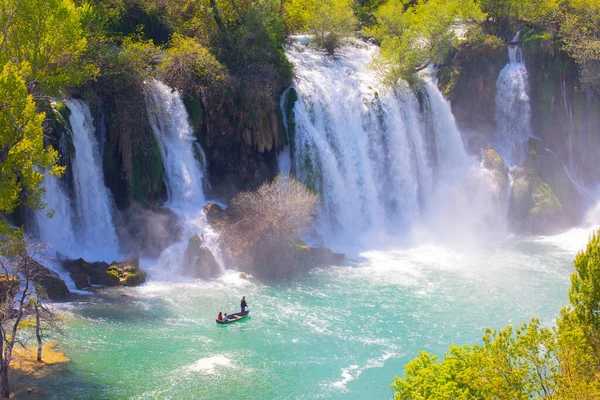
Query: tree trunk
point(217, 16)
point(4, 386)
point(38, 332)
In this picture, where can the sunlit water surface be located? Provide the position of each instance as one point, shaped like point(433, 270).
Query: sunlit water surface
point(336, 333)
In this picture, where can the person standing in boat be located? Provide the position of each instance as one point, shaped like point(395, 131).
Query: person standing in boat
point(243, 304)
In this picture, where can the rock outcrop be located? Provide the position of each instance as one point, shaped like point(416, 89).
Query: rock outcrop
point(533, 205)
point(86, 274)
point(493, 162)
point(199, 261)
point(148, 232)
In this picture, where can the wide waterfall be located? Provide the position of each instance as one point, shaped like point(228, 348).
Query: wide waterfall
point(513, 111)
point(383, 161)
point(184, 160)
point(95, 230)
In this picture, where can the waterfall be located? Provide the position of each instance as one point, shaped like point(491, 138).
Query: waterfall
point(380, 163)
point(513, 111)
point(182, 156)
point(95, 232)
point(184, 160)
point(284, 158)
point(569, 111)
point(57, 231)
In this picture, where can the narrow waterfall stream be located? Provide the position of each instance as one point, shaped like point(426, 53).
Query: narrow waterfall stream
point(184, 160)
point(513, 111)
point(95, 230)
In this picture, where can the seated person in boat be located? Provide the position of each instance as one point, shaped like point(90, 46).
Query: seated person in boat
point(225, 319)
point(220, 316)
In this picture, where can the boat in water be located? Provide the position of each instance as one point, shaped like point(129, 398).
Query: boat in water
point(234, 317)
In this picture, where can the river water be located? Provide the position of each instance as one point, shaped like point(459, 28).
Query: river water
point(336, 333)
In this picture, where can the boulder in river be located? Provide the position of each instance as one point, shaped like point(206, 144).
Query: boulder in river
point(86, 274)
point(215, 214)
point(199, 261)
point(149, 231)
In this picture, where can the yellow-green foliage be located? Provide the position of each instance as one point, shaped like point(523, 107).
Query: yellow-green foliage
point(22, 142)
point(415, 34)
point(47, 34)
point(531, 362)
point(538, 12)
point(41, 44)
point(187, 65)
point(543, 197)
point(329, 20)
point(580, 31)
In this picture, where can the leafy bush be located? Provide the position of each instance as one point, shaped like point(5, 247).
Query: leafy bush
point(189, 66)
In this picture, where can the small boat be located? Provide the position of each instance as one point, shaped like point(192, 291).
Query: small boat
point(234, 317)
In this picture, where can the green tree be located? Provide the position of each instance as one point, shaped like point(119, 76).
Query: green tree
point(330, 21)
point(47, 34)
point(22, 151)
point(189, 66)
point(416, 34)
point(580, 32)
point(511, 364)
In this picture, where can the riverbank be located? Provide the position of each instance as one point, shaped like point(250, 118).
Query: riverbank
point(27, 374)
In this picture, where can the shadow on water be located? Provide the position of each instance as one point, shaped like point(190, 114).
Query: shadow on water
point(51, 381)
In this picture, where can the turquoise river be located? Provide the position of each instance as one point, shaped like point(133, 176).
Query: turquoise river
point(335, 333)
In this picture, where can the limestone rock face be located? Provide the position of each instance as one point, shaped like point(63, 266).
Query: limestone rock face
point(533, 205)
point(492, 161)
point(199, 261)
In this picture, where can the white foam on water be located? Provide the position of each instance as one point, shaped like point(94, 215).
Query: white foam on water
point(209, 365)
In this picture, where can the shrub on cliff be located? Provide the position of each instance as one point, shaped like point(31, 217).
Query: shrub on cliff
point(329, 21)
point(189, 66)
point(415, 35)
point(263, 227)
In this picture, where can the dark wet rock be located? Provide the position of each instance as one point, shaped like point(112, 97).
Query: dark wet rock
point(322, 256)
point(215, 215)
point(199, 261)
point(493, 162)
point(147, 232)
point(86, 274)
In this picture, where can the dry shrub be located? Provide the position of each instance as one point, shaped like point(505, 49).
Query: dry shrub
point(263, 228)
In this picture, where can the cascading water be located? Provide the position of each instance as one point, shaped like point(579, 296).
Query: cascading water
point(95, 236)
point(513, 111)
point(57, 231)
point(184, 172)
point(183, 160)
point(380, 164)
point(284, 158)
